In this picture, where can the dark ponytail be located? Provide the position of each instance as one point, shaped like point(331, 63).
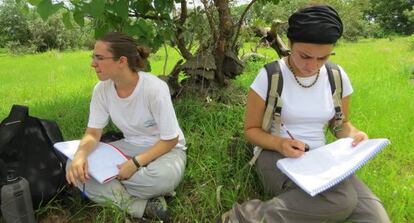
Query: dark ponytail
point(143, 54)
point(121, 44)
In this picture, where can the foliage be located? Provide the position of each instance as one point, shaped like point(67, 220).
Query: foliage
point(394, 16)
point(351, 12)
point(54, 35)
point(352, 15)
point(15, 47)
point(13, 24)
point(199, 34)
point(409, 13)
point(23, 31)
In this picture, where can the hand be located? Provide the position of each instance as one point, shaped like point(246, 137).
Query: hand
point(292, 148)
point(359, 137)
point(78, 170)
point(126, 170)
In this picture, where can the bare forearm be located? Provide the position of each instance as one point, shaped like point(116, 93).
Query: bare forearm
point(263, 139)
point(89, 141)
point(158, 149)
point(348, 130)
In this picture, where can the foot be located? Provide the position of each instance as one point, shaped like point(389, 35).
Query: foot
point(225, 218)
point(157, 209)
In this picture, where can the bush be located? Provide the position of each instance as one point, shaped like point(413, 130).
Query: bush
point(22, 28)
point(13, 24)
point(15, 47)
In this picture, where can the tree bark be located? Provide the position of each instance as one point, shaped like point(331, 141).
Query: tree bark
point(180, 39)
point(224, 38)
point(210, 20)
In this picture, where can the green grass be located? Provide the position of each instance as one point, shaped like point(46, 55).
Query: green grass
point(58, 86)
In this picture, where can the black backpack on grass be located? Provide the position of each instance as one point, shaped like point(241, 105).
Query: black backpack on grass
point(26, 150)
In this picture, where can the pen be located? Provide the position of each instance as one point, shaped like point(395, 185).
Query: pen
point(83, 194)
point(291, 136)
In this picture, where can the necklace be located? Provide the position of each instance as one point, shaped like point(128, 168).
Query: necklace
point(297, 80)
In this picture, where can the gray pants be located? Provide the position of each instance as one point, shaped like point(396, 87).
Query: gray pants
point(160, 177)
point(351, 200)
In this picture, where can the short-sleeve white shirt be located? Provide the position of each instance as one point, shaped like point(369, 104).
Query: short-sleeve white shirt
point(144, 117)
point(305, 111)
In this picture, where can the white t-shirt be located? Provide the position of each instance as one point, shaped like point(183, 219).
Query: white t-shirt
point(144, 117)
point(305, 111)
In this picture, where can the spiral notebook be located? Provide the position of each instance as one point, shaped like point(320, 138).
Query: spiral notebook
point(102, 162)
point(324, 167)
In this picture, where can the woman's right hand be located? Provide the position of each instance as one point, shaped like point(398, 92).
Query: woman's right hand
point(78, 170)
point(291, 148)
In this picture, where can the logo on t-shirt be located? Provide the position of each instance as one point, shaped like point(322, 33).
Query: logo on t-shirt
point(149, 123)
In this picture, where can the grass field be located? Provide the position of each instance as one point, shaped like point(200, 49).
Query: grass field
point(58, 86)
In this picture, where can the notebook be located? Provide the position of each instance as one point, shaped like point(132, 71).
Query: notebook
point(102, 162)
point(324, 167)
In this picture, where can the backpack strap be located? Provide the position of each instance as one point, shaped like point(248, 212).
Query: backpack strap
point(54, 135)
point(335, 80)
point(3, 173)
point(11, 125)
point(273, 102)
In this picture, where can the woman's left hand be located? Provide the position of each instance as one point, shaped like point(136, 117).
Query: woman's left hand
point(126, 170)
point(359, 137)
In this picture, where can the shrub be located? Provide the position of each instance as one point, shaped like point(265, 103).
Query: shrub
point(15, 47)
point(22, 28)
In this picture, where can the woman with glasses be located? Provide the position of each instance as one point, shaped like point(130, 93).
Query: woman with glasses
point(139, 104)
point(307, 107)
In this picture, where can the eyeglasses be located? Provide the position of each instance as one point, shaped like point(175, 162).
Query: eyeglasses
point(100, 57)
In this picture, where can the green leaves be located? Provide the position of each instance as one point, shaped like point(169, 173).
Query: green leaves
point(96, 8)
point(163, 7)
point(45, 8)
point(78, 16)
point(120, 8)
point(34, 2)
point(67, 20)
point(142, 6)
point(101, 27)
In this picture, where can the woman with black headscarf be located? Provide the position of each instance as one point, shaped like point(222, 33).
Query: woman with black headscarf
point(308, 105)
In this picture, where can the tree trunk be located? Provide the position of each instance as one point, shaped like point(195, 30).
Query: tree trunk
point(224, 38)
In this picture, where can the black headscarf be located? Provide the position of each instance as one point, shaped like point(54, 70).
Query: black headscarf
point(317, 24)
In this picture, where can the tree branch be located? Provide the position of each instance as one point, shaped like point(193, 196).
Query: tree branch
point(179, 35)
point(210, 20)
point(173, 79)
point(239, 24)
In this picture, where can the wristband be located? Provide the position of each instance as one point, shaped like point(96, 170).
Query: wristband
point(134, 159)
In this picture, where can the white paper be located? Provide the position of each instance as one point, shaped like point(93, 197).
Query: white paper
point(102, 162)
point(324, 167)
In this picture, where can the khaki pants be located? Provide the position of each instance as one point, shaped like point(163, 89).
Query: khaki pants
point(351, 200)
point(160, 177)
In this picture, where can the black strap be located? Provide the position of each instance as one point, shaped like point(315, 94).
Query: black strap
point(52, 131)
point(329, 67)
point(3, 173)
point(11, 125)
point(271, 69)
point(54, 135)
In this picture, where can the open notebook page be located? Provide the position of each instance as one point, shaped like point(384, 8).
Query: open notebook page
point(321, 168)
point(102, 162)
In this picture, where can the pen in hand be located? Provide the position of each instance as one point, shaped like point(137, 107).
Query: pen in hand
point(291, 136)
